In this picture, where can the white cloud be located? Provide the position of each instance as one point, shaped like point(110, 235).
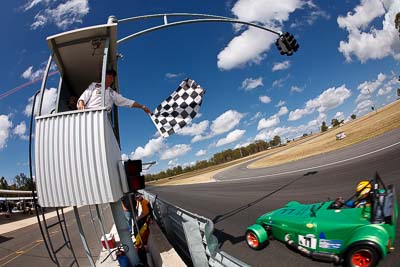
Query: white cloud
point(362, 97)
point(390, 98)
point(226, 122)
point(299, 113)
point(231, 137)
point(31, 75)
point(291, 132)
point(201, 152)
point(5, 126)
point(364, 40)
point(369, 87)
point(247, 48)
point(249, 83)
point(363, 14)
point(62, 15)
point(49, 102)
point(329, 99)
point(363, 107)
point(250, 46)
point(265, 99)
point(265, 11)
point(222, 124)
point(173, 163)
point(385, 90)
point(152, 147)
point(27, 73)
point(273, 120)
point(269, 134)
point(188, 164)
point(282, 111)
point(175, 151)
point(280, 103)
point(199, 138)
point(388, 86)
point(172, 75)
point(257, 116)
point(280, 82)
point(242, 145)
point(339, 115)
point(124, 157)
point(32, 3)
point(313, 124)
point(268, 123)
point(310, 18)
point(194, 128)
point(315, 14)
point(296, 89)
point(20, 130)
point(281, 65)
point(40, 21)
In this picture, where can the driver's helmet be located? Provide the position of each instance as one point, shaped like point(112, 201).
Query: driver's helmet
point(363, 189)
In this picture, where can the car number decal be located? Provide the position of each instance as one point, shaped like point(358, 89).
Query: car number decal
point(330, 244)
point(308, 241)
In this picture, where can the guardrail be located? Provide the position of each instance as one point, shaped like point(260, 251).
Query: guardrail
point(191, 235)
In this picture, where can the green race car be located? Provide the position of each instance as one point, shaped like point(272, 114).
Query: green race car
point(357, 232)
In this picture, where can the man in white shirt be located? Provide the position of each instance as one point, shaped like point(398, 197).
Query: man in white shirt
point(91, 97)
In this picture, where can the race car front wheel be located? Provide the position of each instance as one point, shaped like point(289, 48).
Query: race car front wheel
point(362, 256)
point(253, 240)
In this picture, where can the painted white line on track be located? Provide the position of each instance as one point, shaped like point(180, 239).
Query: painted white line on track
point(310, 168)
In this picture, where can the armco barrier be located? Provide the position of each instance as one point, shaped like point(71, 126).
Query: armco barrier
point(191, 235)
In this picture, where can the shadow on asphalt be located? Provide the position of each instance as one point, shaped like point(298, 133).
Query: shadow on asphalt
point(5, 239)
point(220, 218)
point(222, 236)
point(310, 173)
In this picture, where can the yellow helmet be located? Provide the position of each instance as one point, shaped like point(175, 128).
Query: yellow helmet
point(363, 188)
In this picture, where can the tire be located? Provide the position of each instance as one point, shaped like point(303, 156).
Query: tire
point(362, 256)
point(253, 241)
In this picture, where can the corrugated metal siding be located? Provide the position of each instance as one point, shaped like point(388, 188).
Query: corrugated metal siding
point(76, 159)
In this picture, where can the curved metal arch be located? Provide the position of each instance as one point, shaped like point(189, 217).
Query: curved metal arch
point(204, 18)
point(171, 15)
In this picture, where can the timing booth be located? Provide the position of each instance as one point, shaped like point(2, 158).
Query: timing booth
point(77, 153)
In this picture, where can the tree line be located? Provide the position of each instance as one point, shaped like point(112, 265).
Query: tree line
point(335, 123)
point(218, 158)
point(22, 182)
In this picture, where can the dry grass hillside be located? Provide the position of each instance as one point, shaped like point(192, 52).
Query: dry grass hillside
point(358, 130)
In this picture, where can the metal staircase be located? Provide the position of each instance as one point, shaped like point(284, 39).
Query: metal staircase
point(41, 215)
point(47, 237)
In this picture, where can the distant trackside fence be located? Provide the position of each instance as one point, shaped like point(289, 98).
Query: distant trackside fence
point(191, 235)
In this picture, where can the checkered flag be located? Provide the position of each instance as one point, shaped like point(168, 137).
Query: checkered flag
point(179, 108)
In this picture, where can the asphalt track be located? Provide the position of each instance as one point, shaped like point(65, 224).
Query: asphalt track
point(241, 195)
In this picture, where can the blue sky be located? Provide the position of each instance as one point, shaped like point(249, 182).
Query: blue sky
point(348, 61)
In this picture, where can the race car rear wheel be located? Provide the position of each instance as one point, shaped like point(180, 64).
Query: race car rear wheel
point(253, 240)
point(362, 256)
